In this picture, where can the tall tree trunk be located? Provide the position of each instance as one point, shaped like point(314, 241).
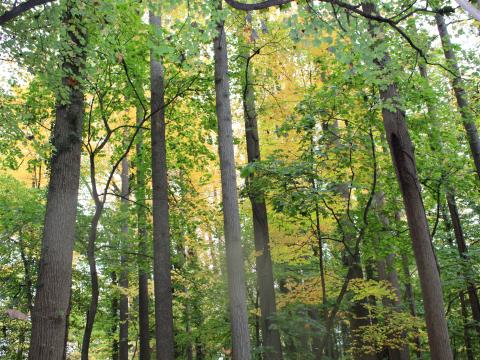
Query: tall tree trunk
point(143, 299)
point(92, 309)
point(463, 251)
point(263, 258)
point(231, 217)
point(403, 158)
point(460, 93)
point(437, 145)
point(161, 232)
point(49, 316)
point(123, 338)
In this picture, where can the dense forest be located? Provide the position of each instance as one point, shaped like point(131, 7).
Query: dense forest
point(261, 179)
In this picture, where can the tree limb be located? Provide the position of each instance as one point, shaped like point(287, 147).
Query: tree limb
point(20, 9)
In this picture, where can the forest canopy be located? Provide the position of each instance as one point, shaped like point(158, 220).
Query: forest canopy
point(265, 179)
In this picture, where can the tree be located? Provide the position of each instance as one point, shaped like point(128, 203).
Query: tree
point(161, 237)
point(231, 219)
point(50, 312)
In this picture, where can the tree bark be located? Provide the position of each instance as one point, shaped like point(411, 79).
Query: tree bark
point(143, 265)
point(263, 258)
point(460, 93)
point(161, 233)
point(231, 217)
point(123, 281)
point(49, 316)
point(403, 158)
point(404, 162)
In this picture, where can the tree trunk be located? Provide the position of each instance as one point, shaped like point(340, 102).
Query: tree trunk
point(231, 217)
point(463, 251)
point(410, 298)
point(123, 338)
point(403, 158)
point(49, 316)
point(404, 162)
point(92, 264)
point(263, 259)
point(161, 233)
point(143, 312)
point(466, 335)
point(460, 93)
point(114, 311)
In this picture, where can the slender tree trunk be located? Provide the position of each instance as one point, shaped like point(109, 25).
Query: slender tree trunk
point(49, 316)
point(161, 232)
point(403, 158)
point(123, 348)
point(466, 334)
point(463, 251)
point(114, 310)
point(263, 259)
point(92, 264)
point(437, 145)
point(231, 217)
point(143, 299)
point(460, 93)
point(410, 298)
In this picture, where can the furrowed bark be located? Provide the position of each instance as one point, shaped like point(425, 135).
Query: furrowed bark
point(49, 316)
point(231, 217)
point(263, 259)
point(161, 232)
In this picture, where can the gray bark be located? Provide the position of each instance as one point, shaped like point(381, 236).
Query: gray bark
point(231, 217)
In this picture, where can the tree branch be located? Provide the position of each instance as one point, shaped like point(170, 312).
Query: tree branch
point(20, 9)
